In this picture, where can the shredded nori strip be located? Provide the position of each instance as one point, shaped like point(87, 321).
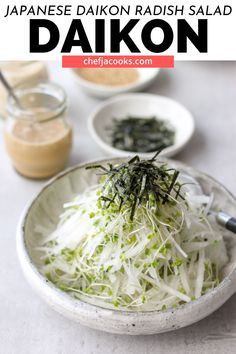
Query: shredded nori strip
point(141, 134)
point(139, 181)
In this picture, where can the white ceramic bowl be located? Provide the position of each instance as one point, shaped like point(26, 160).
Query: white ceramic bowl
point(45, 209)
point(146, 77)
point(141, 105)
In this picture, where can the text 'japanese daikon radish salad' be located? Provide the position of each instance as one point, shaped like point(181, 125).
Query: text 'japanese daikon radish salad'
point(140, 240)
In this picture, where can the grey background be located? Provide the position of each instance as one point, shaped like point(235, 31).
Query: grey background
point(27, 324)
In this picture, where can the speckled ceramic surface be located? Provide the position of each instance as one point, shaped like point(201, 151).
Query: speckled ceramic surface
point(45, 209)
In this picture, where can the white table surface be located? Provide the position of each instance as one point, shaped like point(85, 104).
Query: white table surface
point(27, 324)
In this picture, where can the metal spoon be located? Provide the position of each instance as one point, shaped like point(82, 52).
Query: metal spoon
point(9, 89)
point(226, 220)
point(17, 101)
point(223, 218)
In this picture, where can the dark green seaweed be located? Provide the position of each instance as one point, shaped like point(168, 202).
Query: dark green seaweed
point(141, 134)
point(139, 181)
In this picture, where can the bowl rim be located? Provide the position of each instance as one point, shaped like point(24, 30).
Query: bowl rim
point(66, 301)
point(115, 89)
point(171, 150)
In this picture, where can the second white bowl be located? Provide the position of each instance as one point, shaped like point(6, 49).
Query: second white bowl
point(141, 105)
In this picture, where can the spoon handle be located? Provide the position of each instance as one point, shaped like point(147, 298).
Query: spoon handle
point(227, 221)
point(9, 88)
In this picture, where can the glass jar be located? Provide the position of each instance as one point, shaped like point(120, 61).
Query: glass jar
point(37, 134)
point(19, 73)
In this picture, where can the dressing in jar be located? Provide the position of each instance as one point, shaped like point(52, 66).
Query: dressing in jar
point(37, 135)
point(19, 73)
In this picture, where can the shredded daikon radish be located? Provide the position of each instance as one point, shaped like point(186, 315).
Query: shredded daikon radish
point(166, 256)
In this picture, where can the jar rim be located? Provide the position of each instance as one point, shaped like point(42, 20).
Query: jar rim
point(46, 88)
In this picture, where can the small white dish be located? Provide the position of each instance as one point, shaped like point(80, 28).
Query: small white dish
point(141, 105)
point(44, 210)
point(146, 78)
